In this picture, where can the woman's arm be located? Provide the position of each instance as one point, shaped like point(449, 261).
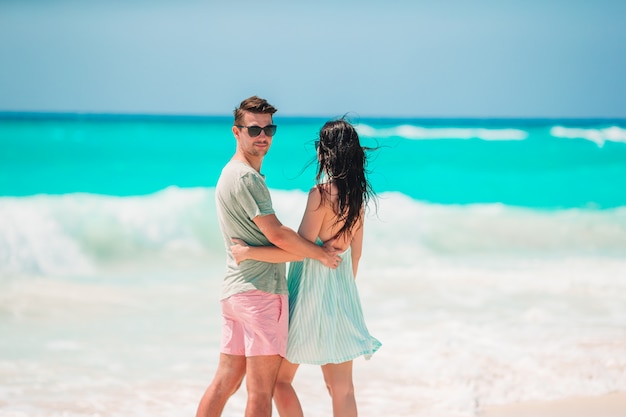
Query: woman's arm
point(313, 217)
point(356, 247)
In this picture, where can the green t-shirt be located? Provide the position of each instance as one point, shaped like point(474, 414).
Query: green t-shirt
point(241, 195)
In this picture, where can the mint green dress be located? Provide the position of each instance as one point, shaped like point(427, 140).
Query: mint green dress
point(326, 322)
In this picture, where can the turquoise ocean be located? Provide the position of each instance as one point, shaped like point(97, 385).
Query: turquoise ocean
point(494, 266)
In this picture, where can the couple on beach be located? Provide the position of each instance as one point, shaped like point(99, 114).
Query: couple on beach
point(271, 324)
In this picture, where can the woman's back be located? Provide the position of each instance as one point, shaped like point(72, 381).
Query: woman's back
point(330, 224)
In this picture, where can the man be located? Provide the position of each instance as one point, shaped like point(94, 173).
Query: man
point(254, 294)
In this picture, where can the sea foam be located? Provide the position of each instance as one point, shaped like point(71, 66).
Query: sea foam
point(73, 233)
point(417, 132)
point(598, 136)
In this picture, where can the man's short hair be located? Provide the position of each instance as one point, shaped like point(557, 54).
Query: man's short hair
point(252, 104)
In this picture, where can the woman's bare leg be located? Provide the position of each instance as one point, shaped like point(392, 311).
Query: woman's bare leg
point(338, 378)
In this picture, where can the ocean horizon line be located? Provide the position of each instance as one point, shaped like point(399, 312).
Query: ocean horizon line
point(191, 117)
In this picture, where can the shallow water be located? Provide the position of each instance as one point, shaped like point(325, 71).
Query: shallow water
point(475, 305)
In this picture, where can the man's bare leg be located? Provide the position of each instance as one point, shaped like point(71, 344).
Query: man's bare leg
point(230, 372)
point(285, 397)
point(338, 378)
point(261, 372)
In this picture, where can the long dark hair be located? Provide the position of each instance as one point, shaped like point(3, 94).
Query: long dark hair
point(342, 161)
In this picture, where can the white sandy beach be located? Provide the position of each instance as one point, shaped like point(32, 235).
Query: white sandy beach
point(610, 405)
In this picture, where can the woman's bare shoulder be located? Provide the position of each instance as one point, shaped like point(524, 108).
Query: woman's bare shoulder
point(321, 199)
point(329, 188)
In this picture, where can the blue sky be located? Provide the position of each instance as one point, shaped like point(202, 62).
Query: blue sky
point(550, 58)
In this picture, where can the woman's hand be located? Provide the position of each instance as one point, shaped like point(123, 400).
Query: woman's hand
point(239, 250)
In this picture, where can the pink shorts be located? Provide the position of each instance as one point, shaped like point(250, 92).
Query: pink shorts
point(255, 323)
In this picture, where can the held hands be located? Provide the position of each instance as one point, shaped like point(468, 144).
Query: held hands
point(332, 259)
point(239, 250)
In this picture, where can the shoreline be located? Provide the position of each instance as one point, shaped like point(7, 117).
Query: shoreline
point(608, 405)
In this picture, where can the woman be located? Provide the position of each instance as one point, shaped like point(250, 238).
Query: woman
point(326, 325)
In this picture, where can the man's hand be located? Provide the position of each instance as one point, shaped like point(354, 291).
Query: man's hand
point(239, 250)
point(331, 259)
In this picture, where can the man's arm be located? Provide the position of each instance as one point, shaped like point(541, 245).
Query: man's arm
point(289, 245)
point(272, 254)
point(289, 241)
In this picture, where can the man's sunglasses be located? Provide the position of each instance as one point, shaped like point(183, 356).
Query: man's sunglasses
point(255, 131)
